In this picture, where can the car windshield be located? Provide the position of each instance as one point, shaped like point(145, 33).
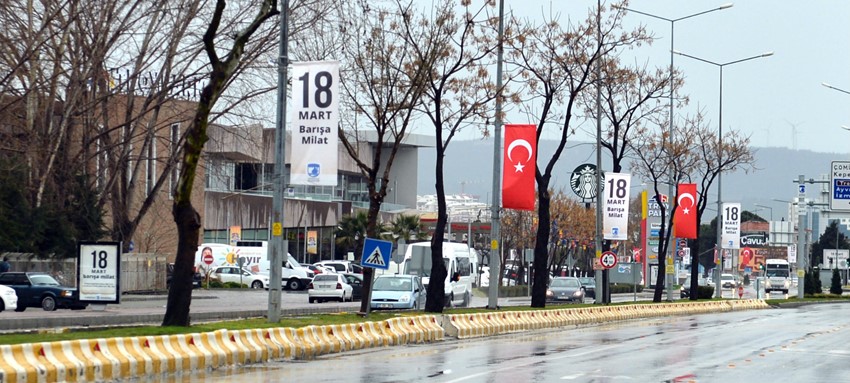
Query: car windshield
point(777, 273)
point(393, 284)
point(43, 280)
point(559, 282)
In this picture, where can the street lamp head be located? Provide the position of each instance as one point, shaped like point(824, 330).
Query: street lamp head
point(766, 54)
point(845, 127)
point(727, 5)
point(826, 85)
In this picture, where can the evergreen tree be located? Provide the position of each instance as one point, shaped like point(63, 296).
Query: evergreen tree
point(809, 284)
point(835, 287)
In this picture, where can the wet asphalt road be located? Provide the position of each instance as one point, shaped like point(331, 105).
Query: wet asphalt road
point(805, 344)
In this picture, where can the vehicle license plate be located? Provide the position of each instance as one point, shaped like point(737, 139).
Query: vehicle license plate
point(385, 306)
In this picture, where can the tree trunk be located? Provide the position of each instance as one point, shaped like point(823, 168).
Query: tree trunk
point(541, 254)
point(180, 294)
point(436, 298)
point(695, 271)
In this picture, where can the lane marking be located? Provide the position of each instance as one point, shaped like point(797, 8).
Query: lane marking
point(522, 362)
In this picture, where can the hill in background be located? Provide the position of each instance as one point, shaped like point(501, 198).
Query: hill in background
point(469, 169)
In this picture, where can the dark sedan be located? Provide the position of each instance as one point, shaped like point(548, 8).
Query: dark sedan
point(565, 289)
point(41, 290)
point(589, 285)
point(356, 282)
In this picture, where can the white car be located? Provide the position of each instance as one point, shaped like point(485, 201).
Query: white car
point(728, 281)
point(329, 287)
point(8, 298)
point(246, 277)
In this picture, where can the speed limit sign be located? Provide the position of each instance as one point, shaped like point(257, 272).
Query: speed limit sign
point(608, 259)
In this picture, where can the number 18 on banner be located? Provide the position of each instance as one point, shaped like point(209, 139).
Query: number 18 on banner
point(99, 272)
point(615, 208)
point(730, 236)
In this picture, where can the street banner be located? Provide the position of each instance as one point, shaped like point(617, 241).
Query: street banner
point(520, 164)
point(615, 213)
point(685, 217)
point(99, 272)
point(312, 241)
point(730, 237)
point(315, 119)
point(235, 235)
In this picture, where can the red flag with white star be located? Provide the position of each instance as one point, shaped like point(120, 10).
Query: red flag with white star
point(685, 218)
point(520, 164)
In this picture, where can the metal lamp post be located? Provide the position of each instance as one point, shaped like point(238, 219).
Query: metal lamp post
point(718, 293)
point(672, 22)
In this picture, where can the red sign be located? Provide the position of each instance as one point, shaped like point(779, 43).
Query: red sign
point(208, 259)
point(740, 292)
point(608, 259)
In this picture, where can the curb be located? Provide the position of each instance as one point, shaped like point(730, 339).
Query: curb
point(135, 357)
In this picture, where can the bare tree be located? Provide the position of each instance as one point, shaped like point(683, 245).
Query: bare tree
point(555, 62)
point(222, 69)
point(458, 93)
point(384, 80)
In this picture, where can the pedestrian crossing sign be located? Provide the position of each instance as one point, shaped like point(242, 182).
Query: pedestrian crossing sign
point(376, 254)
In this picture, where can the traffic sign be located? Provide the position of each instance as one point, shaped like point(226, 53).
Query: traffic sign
point(608, 259)
point(376, 254)
point(208, 258)
point(839, 198)
point(740, 292)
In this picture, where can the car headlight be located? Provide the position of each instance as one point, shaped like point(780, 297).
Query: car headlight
point(549, 293)
point(577, 293)
point(66, 293)
point(404, 299)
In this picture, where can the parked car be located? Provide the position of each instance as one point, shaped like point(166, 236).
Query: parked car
point(356, 282)
point(8, 298)
point(41, 290)
point(329, 286)
point(728, 281)
point(685, 291)
point(589, 286)
point(341, 266)
point(565, 289)
point(316, 269)
point(247, 277)
point(197, 278)
point(398, 292)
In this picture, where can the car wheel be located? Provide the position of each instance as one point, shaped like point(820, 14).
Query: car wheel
point(257, 285)
point(294, 284)
point(48, 304)
point(449, 302)
point(20, 309)
point(2, 306)
point(311, 300)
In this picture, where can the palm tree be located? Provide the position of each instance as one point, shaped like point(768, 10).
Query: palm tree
point(351, 232)
point(408, 227)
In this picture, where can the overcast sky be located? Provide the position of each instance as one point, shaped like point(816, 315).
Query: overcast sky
point(778, 101)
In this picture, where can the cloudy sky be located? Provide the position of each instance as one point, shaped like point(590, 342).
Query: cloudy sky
point(778, 101)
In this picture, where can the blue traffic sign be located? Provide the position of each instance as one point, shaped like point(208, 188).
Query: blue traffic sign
point(376, 254)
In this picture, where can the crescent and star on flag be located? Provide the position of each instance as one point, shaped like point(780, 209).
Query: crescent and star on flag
point(519, 166)
point(686, 196)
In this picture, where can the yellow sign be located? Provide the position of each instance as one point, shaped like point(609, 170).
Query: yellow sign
point(235, 234)
point(801, 274)
point(494, 245)
point(277, 229)
point(311, 241)
point(669, 269)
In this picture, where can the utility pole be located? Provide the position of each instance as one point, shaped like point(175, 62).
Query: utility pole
point(495, 245)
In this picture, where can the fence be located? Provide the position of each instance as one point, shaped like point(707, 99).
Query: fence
point(139, 272)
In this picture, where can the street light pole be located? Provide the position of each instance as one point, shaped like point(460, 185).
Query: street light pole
point(718, 293)
point(670, 186)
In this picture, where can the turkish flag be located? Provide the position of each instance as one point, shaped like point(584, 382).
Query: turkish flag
point(520, 164)
point(685, 217)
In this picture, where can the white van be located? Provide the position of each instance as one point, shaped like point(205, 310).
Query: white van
point(417, 261)
point(255, 256)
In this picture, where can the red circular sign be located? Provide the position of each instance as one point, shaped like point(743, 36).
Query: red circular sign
point(740, 291)
point(608, 259)
point(208, 259)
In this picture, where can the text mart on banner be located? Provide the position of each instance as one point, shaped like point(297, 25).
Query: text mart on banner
point(730, 237)
point(520, 164)
point(616, 206)
point(315, 118)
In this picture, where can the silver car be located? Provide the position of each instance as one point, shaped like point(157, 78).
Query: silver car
point(565, 289)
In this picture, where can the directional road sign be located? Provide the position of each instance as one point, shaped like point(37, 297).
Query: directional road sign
point(608, 259)
point(376, 254)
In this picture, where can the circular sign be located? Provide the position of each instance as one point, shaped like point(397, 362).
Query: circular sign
point(583, 181)
point(608, 259)
point(740, 291)
point(208, 259)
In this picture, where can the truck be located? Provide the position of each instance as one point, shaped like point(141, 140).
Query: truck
point(255, 257)
point(777, 274)
point(460, 265)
